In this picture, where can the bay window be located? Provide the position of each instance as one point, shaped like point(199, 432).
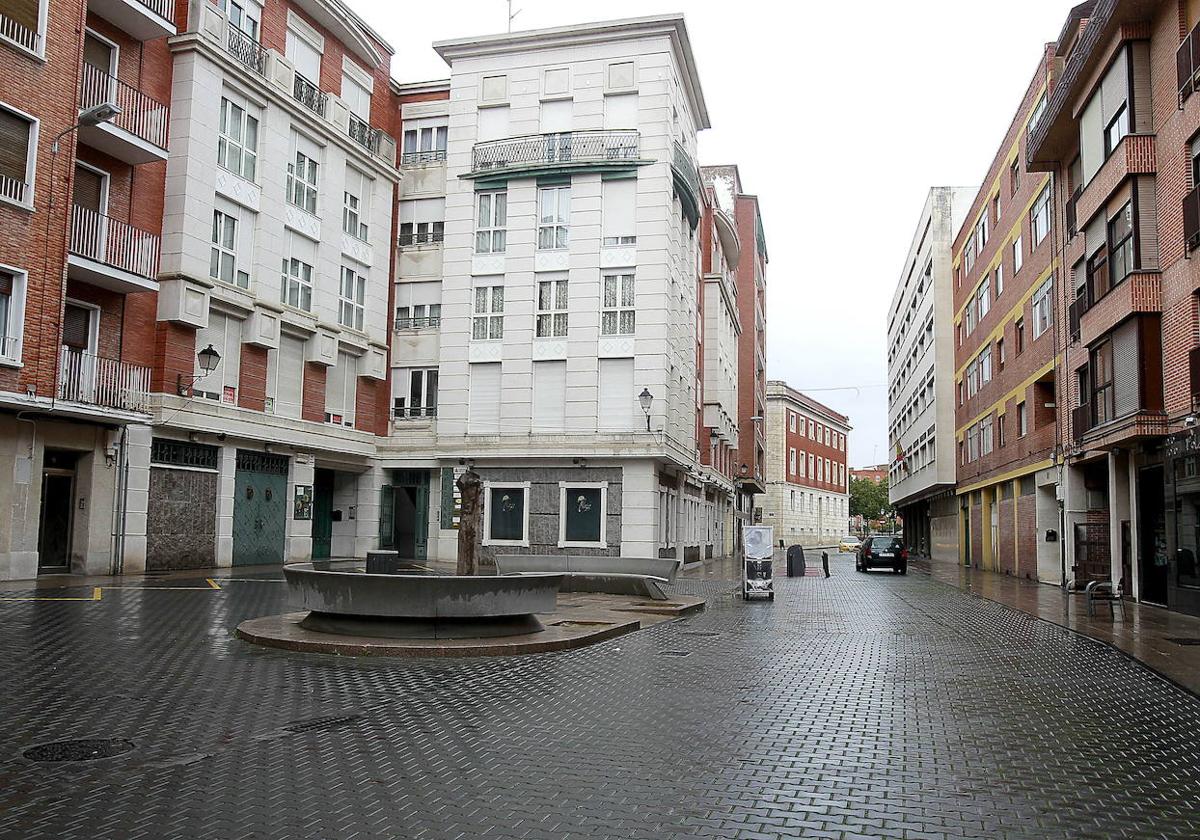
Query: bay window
point(552, 308)
point(488, 320)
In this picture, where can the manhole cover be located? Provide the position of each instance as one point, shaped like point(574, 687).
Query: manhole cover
point(674, 653)
point(87, 749)
point(1183, 640)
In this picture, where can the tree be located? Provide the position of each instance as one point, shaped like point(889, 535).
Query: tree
point(868, 498)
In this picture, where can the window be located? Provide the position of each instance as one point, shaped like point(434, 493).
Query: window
point(1018, 255)
point(18, 155)
point(222, 264)
point(791, 422)
point(237, 145)
point(1000, 354)
point(1102, 384)
point(341, 382)
point(618, 199)
point(999, 279)
point(1043, 309)
point(488, 322)
point(356, 91)
point(491, 221)
point(811, 428)
point(791, 461)
point(552, 308)
point(422, 221)
point(617, 313)
point(1000, 431)
point(355, 203)
point(969, 254)
point(1039, 216)
point(1116, 130)
point(1022, 420)
point(224, 333)
point(418, 316)
point(243, 15)
point(1038, 112)
point(1120, 245)
point(507, 517)
point(985, 436)
point(483, 400)
point(983, 298)
point(553, 215)
point(302, 182)
point(972, 376)
point(285, 377)
point(582, 513)
point(985, 366)
point(996, 208)
point(1014, 177)
point(416, 392)
point(12, 313)
point(617, 396)
point(424, 142)
point(981, 233)
point(352, 299)
point(803, 471)
point(1019, 335)
point(296, 288)
point(820, 469)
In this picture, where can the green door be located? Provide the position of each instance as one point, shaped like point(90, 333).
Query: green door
point(405, 506)
point(322, 528)
point(259, 508)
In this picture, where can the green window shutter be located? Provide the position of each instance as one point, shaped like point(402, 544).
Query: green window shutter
point(387, 516)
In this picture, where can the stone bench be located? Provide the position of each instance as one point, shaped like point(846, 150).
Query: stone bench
point(639, 576)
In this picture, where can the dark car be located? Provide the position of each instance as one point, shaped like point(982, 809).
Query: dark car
point(882, 552)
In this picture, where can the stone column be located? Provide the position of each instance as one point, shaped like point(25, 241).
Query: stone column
point(137, 499)
point(1118, 509)
point(226, 469)
point(298, 543)
point(366, 531)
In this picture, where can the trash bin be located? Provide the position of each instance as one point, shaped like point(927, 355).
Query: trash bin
point(795, 561)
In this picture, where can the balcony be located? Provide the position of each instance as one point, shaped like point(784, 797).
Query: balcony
point(309, 95)
point(428, 237)
point(1187, 65)
point(1138, 294)
point(145, 20)
point(360, 132)
point(109, 383)
point(138, 134)
point(686, 179)
point(111, 254)
point(427, 156)
point(565, 151)
point(245, 49)
point(14, 190)
point(17, 33)
point(418, 323)
point(414, 412)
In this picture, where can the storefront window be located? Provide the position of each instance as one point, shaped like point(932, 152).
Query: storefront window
point(582, 513)
point(506, 514)
point(1187, 521)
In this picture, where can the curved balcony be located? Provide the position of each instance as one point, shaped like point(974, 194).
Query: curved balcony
point(567, 151)
point(686, 180)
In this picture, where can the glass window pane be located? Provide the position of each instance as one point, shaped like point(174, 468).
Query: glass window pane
point(627, 322)
point(560, 301)
point(497, 298)
point(608, 323)
point(506, 509)
point(583, 510)
point(610, 291)
point(501, 209)
point(481, 299)
point(485, 210)
point(544, 295)
point(482, 242)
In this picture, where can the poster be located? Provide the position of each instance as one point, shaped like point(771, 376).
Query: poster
point(303, 504)
point(758, 577)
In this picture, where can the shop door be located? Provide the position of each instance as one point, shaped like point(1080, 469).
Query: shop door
point(322, 529)
point(259, 508)
point(1152, 536)
point(409, 509)
point(54, 525)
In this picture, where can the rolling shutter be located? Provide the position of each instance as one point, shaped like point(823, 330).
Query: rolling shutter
point(89, 189)
point(14, 145)
point(618, 201)
point(76, 330)
point(289, 375)
point(483, 416)
point(1114, 90)
point(617, 395)
point(1126, 385)
point(493, 123)
point(549, 396)
point(556, 115)
point(620, 111)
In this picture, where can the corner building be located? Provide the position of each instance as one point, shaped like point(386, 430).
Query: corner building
point(1005, 270)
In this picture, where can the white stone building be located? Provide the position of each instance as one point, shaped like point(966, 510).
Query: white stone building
point(557, 238)
point(921, 475)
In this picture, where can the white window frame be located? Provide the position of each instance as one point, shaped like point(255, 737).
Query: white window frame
point(1039, 216)
point(563, 486)
point(1018, 252)
point(495, 227)
point(488, 487)
point(555, 316)
point(490, 316)
point(12, 333)
point(250, 10)
point(300, 183)
point(792, 461)
point(983, 298)
point(623, 283)
point(791, 422)
point(220, 250)
point(415, 148)
point(30, 158)
point(301, 281)
point(226, 141)
point(560, 222)
point(356, 208)
point(353, 306)
point(39, 49)
point(1042, 308)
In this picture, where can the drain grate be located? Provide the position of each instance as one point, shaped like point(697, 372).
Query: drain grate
point(84, 749)
point(675, 653)
point(1183, 640)
point(319, 724)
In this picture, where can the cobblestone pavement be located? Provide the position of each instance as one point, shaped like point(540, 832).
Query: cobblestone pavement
point(858, 706)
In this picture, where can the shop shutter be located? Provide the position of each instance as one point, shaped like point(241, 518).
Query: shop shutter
point(617, 395)
point(549, 396)
point(483, 417)
point(14, 145)
point(76, 330)
point(1127, 394)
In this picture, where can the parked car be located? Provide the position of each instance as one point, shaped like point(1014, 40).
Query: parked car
point(880, 552)
point(849, 544)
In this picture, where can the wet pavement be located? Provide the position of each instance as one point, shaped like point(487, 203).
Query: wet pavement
point(856, 706)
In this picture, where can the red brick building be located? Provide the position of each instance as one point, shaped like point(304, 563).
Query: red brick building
point(877, 473)
point(1122, 139)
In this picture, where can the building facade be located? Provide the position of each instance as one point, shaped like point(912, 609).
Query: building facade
point(1120, 138)
point(1004, 274)
point(808, 496)
point(921, 390)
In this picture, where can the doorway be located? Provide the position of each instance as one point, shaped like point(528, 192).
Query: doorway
point(322, 529)
point(259, 508)
point(1152, 536)
point(404, 520)
point(57, 512)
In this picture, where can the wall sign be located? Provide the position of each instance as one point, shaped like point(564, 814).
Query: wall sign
point(303, 503)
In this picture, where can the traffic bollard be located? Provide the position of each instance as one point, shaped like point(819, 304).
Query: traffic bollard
point(825, 562)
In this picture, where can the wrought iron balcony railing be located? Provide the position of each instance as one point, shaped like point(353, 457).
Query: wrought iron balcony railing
point(114, 243)
point(558, 149)
point(427, 156)
point(91, 379)
point(140, 115)
point(418, 323)
point(360, 131)
point(414, 411)
point(20, 34)
point(431, 237)
point(246, 50)
point(309, 95)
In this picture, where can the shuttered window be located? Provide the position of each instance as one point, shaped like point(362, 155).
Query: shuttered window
point(483, 414)
point(549, 396)
point(618, 399)
point(285, 376)
point(493, 123)
point(620, 110)
point(1125, 369)
point(340, 391)
point(89, 189)
point(224, 333)
point(77, 327)
point(14, 152)
point(304, 56)
point(617, 208)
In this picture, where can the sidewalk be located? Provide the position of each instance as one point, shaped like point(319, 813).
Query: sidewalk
point(1144, 634)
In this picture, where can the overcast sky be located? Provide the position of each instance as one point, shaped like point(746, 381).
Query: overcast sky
point(840, 117)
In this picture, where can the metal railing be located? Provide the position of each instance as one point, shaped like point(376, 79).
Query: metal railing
point(140, 115)
point(162, 8)
point(88, 378)
point(415, 411)
point(687, 168)
point(1081, 421)
point(10, 347)
point(1187, 65)
point(360, 131)
point(1072, 213)
point(14, 190)
point(567, 147)
point(113, 242)
point(427, 156)
point(422, 238)
point(309, 95)
point(1191, 218)
point(246, 50)
point(418, 323)
point(20, 34)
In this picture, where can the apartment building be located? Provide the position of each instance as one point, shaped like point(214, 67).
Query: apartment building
point(551, 212)
point(808, 490)
point(921, 389)
point(1120, 138)
point(84, 120)
point(1004, 275)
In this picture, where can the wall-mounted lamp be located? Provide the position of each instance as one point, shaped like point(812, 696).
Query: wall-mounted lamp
point(646, 399)
point(208, 358)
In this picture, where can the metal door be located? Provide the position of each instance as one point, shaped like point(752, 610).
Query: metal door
point(322, 528)
point(259, 508)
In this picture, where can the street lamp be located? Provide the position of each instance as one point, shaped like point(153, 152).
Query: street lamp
point(646, 398)
point(208, 358)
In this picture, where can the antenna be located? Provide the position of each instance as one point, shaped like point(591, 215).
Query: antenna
point(511, 15)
